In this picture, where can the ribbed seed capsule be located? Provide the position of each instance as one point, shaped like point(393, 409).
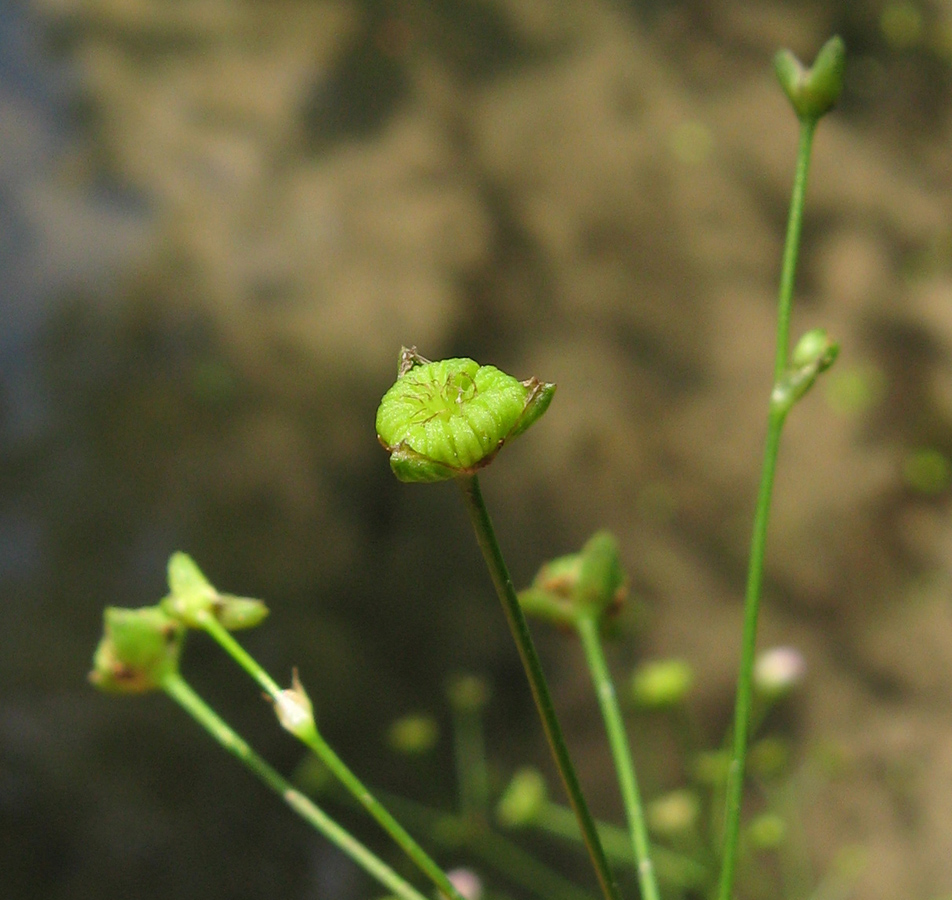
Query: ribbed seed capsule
point(448, 418)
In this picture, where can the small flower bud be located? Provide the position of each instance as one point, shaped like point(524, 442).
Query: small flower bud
point(414, 734)
point(778, 671)
point(767, 832)
point(467, 882)
point(662, 683)
point(192, 599)
point(601, 580)
point(523, 799)
point(814, 354)
point(591, 581)
point(467, 693)
point(295, 711)
point(675, 814)
point(549, 597)
point(447, 419)
point(139, 649)
point(813, 92)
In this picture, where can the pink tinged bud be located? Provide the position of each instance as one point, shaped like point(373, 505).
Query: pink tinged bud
point(467, 882)
point(778, 671)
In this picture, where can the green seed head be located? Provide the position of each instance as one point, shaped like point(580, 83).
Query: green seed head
point(139, 649)
point(444, 419)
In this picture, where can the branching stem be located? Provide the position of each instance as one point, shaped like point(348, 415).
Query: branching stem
point(755, 571)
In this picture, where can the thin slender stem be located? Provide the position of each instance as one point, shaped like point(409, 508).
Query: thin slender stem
point(471, 770)
point(180, 691)
point(486, 537)
point(758, 546)
point(313, 741)
point(587, 627)
point(509, 860)
point(791, 247)
point(675, 868)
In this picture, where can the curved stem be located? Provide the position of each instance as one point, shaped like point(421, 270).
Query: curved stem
point(486, 537)
point(587, 627)
point(179, 690)
point(314, 742)
point(758, 546)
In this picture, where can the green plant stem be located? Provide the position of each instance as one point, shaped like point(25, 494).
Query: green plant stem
point(791, 247)
point(471, 770)
point(317, 745)
point(455, 832)
point(674, 868)
point(587, 626)
point(179, 690)
point(755, 571)
point(486, 537)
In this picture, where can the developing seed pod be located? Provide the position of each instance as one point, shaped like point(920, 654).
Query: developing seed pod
point(446, 419)
point(192, 599)
point(139, 649)
point(813, 92)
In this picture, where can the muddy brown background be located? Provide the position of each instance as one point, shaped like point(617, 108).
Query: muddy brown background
point(224, 219)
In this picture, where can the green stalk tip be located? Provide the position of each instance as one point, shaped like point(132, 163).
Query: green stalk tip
point(815, 91)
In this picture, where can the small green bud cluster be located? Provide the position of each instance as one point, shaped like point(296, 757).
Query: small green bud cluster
point(590, 582)
point(447, 419)
point(140, 648)
point(813, 92)
point(814, 353)
point(192, 599)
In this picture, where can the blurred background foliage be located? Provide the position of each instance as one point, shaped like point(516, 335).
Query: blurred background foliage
point(221, 219)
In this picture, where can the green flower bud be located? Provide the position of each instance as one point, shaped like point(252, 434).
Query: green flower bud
point(601, 580)
point(767, 832)
point(813, 92)
point(523, 799)
point(468, 693)
point(814, 353)
point(585, 582)
point(192, 599)
point(413, 734)
point(662, 683)
point(139, 649)
point(675, 814)
point(445, 419)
